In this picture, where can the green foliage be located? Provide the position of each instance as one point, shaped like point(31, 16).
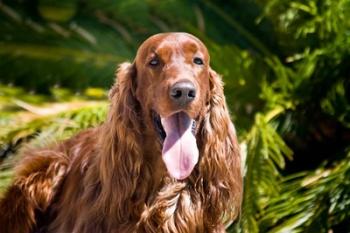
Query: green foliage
point(319, 200)
point(59, 117)
point(286, 70)
point(44, 123)
point(58, 126)
point(266, 156)
point(336, 104)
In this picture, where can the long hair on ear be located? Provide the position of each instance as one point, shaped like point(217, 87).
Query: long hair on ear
point(112, 179)
point(121, 156)
point(220, 167)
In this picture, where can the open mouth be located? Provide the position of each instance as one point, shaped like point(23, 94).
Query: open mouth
point(159, 127)
point(180, 152)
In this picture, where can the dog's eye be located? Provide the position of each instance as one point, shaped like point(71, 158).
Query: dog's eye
point(154, 62)
point(198, 61)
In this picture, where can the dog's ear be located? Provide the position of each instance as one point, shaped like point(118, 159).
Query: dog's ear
point(120, 157)
point(125, 79)
point(220, 164)
point(124, 105)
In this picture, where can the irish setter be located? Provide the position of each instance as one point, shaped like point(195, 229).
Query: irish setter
point(165, 160)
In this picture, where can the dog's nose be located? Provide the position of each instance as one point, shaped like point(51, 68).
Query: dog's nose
point(183, 92)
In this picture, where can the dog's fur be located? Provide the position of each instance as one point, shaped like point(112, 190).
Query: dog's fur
point(112, 178)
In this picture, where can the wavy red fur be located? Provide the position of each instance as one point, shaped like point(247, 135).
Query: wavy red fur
point(112, 178)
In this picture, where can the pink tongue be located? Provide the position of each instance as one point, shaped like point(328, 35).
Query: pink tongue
point(180, 152)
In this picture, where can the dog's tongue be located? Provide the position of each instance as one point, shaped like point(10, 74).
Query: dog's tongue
point(180, 152)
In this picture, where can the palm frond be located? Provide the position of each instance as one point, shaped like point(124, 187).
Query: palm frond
point(308, 198)
point(266, 156)
point(42, 121)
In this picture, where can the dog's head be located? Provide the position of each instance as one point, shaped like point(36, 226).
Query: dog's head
point(176, 91)
point(173, 85)
point(173, 73)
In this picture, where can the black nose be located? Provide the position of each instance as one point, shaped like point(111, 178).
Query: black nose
point(183, 92)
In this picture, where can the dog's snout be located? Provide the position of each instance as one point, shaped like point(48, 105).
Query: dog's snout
point(182, 92)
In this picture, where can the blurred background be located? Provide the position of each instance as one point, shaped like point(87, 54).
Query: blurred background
point(286, 66)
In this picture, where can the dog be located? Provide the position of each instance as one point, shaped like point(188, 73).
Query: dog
point(166, 159)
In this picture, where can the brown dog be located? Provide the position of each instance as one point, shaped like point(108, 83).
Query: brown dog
point(165, 160)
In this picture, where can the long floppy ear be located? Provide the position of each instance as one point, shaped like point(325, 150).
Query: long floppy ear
point(220, 164)
point(120, 158)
